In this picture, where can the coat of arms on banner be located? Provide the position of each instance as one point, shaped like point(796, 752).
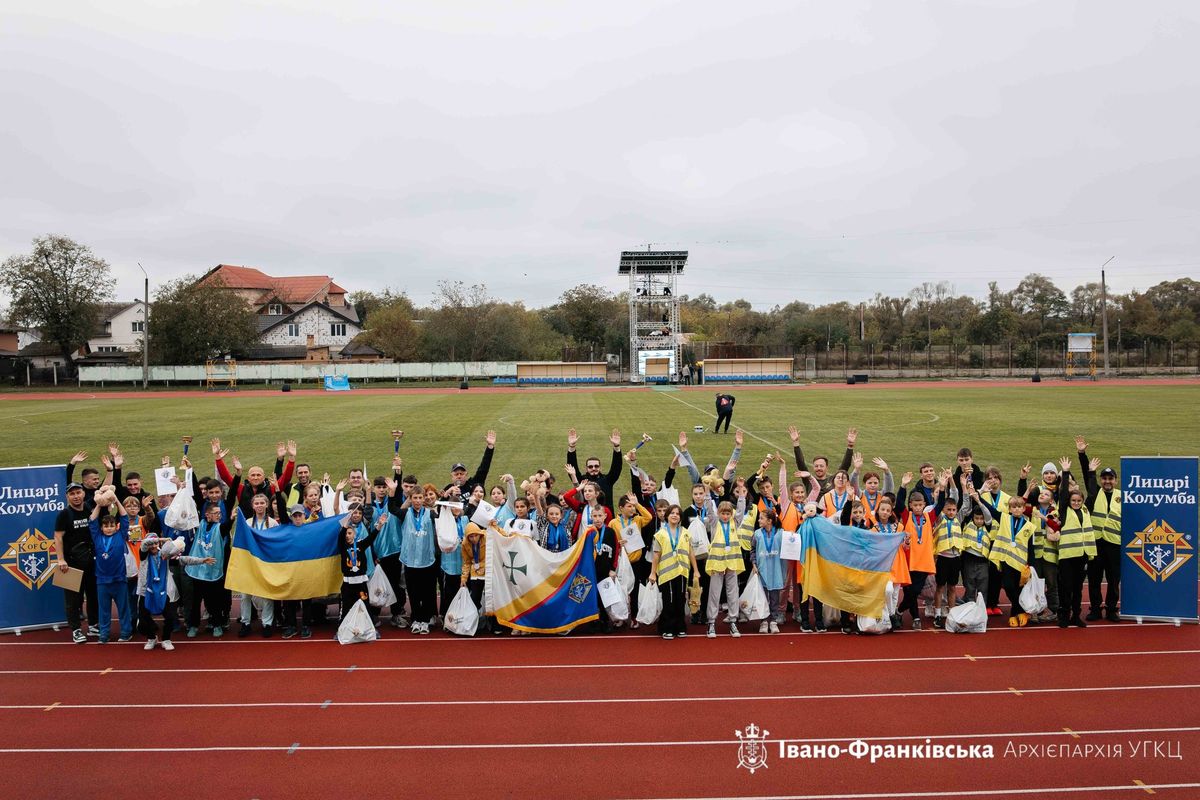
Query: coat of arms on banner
point(752, 749)
point(1159, 550)
point(578, 591)
point(28, 559)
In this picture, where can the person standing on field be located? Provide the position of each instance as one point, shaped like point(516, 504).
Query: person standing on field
point(724, 411)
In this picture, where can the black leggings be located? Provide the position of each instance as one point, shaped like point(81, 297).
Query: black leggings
point(1070, 586)
point(911, 592)
point(215, 597)
point(422, 591)
point(675, 603)
point(1010, 579)
point(723, 418)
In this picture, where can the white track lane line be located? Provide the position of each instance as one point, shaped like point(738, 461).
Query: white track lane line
point(624, 665)
point(1039, 791)
point(602, 700)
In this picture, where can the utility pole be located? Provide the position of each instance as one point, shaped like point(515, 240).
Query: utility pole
point(145, 329)
point(1104, 311)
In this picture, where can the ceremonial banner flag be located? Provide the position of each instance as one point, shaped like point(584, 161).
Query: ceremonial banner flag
point(287, 562)
point(1158, 537)
point(531, 589)
point(847, 568)
point(30, 499)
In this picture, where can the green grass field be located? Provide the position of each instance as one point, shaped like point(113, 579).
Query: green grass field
point(1005, 426)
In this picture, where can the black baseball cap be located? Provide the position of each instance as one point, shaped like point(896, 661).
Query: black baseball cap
point(71, 486)
point(459, 466)
point(1108, 472)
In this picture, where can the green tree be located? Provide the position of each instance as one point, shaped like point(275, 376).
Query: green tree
point(190, 323)
point(56, 288)
point(390, 329)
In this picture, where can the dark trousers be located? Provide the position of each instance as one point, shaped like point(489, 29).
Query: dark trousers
point(993, 586)
point(448, 585)
point(801, 612)
point(183, 582)
point(1106, 565)
point(351, 594)
point(486, 623)
point(1070, 586)
point(641, 574)
point(294, 614)
point(73, 601)
point(395, 574)
point(975, 576)
point(422, 591)
point(146, 625)
point(215, 597)
point(723, 416)
point(908, 602)
point(675, 603)
point(1010, 580)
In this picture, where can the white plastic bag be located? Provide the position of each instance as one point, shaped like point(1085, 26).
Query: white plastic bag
point(462, 617)
point(1033, 594)
point(379, 589)
point(968, 617)
point(668, 493)
point(649, 604)
point(131, 564)
point(625, 575)
point(699, 536)
point(182, 514)
point(832, 617)
point(753, 601)
point(614, 599)
point(447, 530)
point(881, 624)
point(357, 626)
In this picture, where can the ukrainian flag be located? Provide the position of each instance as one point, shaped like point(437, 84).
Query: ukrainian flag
point(847, 568)
point(287, 562)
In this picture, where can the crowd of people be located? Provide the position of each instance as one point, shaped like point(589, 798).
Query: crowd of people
point(703, 537)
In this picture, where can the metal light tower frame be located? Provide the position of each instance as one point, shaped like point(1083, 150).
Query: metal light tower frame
point(653, 295)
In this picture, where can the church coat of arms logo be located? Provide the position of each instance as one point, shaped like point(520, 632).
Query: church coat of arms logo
point(752, 747)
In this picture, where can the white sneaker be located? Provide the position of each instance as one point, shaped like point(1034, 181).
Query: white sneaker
point(733, 631)
point(774, 627)
point(762, 628)
point(150, 644)
point(712, 631)
point(167, 644)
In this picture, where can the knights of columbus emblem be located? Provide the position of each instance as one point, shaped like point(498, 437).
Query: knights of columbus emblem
point(1159, 550)
point(28, 559)
point(752, 749)
point(580, 587)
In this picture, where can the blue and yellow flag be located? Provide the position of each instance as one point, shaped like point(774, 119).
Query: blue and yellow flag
point(287, 562)
point(847, 568)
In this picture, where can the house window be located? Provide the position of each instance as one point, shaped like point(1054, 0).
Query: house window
point(337, 329)
point(107, 349)
point(293, 329)
point(139, 326)
point(275, 309)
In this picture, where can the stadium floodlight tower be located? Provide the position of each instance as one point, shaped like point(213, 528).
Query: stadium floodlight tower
point(654, 345)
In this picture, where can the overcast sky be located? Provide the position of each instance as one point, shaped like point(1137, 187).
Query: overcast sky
point(817, 151)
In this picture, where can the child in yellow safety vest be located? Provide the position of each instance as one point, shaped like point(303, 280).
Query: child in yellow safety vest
point(948, 544)
point(1076, 546)
point(1045, 548)
point(978, 533)
point(723, 566)
point(1011, 542)
point(672, 558)
point(1103, 502)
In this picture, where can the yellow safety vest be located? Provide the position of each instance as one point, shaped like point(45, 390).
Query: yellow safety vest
point(747, 528)
point(1107, 518)
point(1077, 537)
point(673, 563)
point(948, 535)
point(1043, 548)
point(1009, 547)
point(978, 541)
point(725, 554)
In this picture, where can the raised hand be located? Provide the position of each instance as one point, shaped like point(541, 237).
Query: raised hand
point(79, 457)
point(1025, 469)
point(631, 456)
point(224, 452)
point(572, 438)
point(106, 461)
point(490, 438)
point(1092, 464)
point(291, 449)
point(857, 462)
point(1080, 444)
point(391, 485)
point(615, 438)
point(185, 462)
point(119, 459)
point(906, 478)
point(274, 484)
point(113, 449)
point(879, 462)
point(683, 440)
point(1064, 463)
point(506, 478)
point(739, 436)
point(571, 472)
point(237, 464)
point(794, 432)
point(325, 479)
point(340, 485)
point(216, 445)
point(280, 450)
point(851, 437)
point(166, 461)
point(397, 463)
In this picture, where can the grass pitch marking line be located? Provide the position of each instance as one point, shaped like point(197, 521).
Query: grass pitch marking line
point(622, 665)
point(967, 793)
point(714, 416)
point(604, 700)
point(284, 748)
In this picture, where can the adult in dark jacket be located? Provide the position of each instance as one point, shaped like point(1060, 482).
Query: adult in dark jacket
point(724, 411)
point(591, 467)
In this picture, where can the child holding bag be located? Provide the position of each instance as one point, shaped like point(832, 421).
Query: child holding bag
point(156, 586)
point(672, 559)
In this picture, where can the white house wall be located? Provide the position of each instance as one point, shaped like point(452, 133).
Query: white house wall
point(313, 322)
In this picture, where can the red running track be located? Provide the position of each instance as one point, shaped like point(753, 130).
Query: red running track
point(620, 716)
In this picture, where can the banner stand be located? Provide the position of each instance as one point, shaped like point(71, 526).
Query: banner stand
point(1159, 564)
point(30, 499)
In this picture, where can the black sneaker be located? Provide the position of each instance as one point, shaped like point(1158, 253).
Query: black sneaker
point(1114, 616)
point(1078, 623)
point(289, 632)
point(305, 633)
point(268, 631)
point(939, 622)
point(1093, 616)
point(78, 636)
point(806, 626)
point(819, 627)
point(243, 631)
point(847, 629)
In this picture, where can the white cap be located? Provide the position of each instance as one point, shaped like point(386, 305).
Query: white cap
point(1050, 467)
